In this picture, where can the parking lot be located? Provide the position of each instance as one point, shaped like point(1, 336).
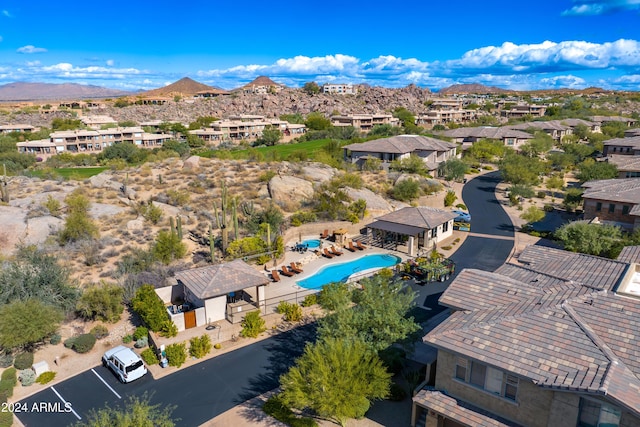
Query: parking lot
point(70, 401)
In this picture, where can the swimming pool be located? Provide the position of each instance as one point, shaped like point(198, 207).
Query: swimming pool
point(341, 272)
point(312, 243)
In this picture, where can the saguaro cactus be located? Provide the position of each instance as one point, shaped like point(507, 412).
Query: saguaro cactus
point(4, 185)
point(223, 217)
point(179, 226)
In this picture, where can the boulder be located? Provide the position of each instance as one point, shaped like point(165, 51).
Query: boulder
point(318, 173)
point(374, 201)
point(192, 163)
point(287, 189)
point(135, 224)
point(96, 210)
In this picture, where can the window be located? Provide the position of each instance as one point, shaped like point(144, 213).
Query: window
point(598, 207)
point(612, 208)
point(625, 210)
point(445, 227)
point(487, 378)
point(594, 413)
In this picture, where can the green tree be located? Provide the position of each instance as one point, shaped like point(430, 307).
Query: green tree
point(335, 296)
point(486, 150)
point(450, 198)
point(26, 323)
point(540, 144)
point(270, 136)
point(590, 170)
point(168, 247)
point(613, 129)
point(408, 120)
point(592, 239)
point(311, 88)
point(150, 307)
point(406, 190)
point(533, 214)
point(78, 224)
point(578, 151)
point(572, 199)
point(33, 274)
point(202, 122)
point(181, 148)
point(453, 169)
point(253, 325)
point(378, 318)
point(317, 121)
point(102, 302)
point(58, 124)
point(137, 412)
point(518, 169)
point(412, 164)
point(337, 379)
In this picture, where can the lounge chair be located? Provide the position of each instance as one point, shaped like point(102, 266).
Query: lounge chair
point(336, 251)
point(290, 270)
point(324, 234)
point(360, 245)
point(275, 276)
point(326, 253)
point(294, 268)
point(285, 271)
point(350, 247)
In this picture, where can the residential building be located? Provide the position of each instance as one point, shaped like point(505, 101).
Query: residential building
point(549, 341)
point(431, 150)
point(443, 117)
point(18, 128)
point(613, 201)
point(509, 137)
point(364, 122)
point(91, 141)
point(412, 229)
point(97, 122)
point(555, 129)
point(608, 119)
point(628, 166)
point(623, 146)
point(522, 110)
point(246, 127)
point(339, 88)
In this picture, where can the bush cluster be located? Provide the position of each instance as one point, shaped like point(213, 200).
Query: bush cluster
point(252, 325)
point(55, 339)
point(150, 308)
point(140, 332)
point(46, 377)
point(99, 331)
point(23, 360)
point(27, 377)
point(149, 356)
point(199, 346)
point(83, 343)
point(278, 410)
point(309, 300)
point(176, 354)
point(6, 360)
point(290, 312)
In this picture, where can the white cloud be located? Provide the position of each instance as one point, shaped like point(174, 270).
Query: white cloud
point(599, 7)
point(32, 63)
point(110, 62)
point(6, 14)
point(31, 49)
point(567, 81)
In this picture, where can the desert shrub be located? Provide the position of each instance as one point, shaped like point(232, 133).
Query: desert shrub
point(461, 206)
point(6, 388)
point(150, 308)
point(84, 343)
point(541, 194)
point(217, 346)
point(10, 375)
point(140, 332)
point(548, 208)
point(70, 342)
point(102, 302)
point(45, 377)
point(266, 176)
point(176, 354)
point(200, 346)
point(151, 213)
point(522, 190)
point(177, 197)
point(168, 247)
point(27, 377)
point(55, 339)
point(302, 217)
point(252, 325)
point(142, 342)
point(23, 360)
point(127, 339)
point(99, 331)
point(309, 300)
point(446, 248)
point(450, 198)
point(149, 356)
point(6, 360)
point(406, 190)
point(291, 312)
point(53, 206)
point(168, 329)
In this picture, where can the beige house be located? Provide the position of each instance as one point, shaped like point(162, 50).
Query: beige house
point(431, 150)
point(522, 110)
point(613, 201)
point(18, 128)
point(509, 137)
point(364, 122)
point(411, 229)
point(549, 341)
point(443, 117)
point(340, 89)
point(96, 122)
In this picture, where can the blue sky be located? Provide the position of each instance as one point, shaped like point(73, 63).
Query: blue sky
point(133, 45)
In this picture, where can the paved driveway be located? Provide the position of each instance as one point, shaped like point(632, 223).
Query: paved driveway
point(198, 393)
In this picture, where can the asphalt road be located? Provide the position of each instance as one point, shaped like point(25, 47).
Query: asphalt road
point(490, 241)
point(197, 393)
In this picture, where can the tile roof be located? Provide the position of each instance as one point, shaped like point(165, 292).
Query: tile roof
point(625, 190)
point(633, 141)
point(625, 163)
point(422, 217)
point(220, 279)
point(630, 254)
point(402, 144)
point(459, 410)
point(554, 321)
point(546, 125)
point(487, 132)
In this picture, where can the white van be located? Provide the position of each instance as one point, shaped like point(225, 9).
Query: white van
point(125, 363)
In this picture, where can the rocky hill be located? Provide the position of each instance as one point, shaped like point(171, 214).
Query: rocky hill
point(470, 88)
point(185, 87)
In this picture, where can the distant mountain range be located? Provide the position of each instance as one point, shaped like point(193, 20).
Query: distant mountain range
point(22, 91)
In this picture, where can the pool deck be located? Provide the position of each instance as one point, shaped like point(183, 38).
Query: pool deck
point(311, 263)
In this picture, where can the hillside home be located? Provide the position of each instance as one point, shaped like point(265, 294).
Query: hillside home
point(522, 110)
point(246, 127)
point(509, 137)
point(628, 166)
point(364, 122)
point(431, 150)
point(18, 128)
point(549, 341)
point(96, 122)
point(609, 119)
point(623, 146)
point(442, 117)
point(340, 89)
point(613, 201)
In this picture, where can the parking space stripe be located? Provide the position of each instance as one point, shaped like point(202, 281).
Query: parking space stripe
point(66, 404)
point(105, 383)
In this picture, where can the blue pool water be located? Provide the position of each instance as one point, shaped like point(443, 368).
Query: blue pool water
point(341, 272)
point(312, 243)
